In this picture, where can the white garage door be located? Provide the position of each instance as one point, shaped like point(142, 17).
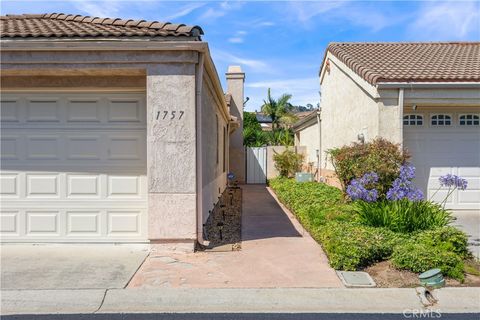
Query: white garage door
point(441, 144)
point(73, 167)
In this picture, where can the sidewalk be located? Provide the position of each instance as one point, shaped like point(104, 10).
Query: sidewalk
point(450, 300)
point(276, 253)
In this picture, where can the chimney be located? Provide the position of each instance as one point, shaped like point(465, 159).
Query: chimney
point(235, 82)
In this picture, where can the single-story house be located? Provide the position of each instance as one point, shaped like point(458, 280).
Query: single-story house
point(424, 96)
point(113, 130)
point(307, 134)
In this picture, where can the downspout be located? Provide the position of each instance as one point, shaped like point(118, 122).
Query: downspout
point(319, 155)
point(198, 108)
point(400, 112)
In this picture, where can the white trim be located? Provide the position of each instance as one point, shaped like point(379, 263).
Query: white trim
point(408, 85)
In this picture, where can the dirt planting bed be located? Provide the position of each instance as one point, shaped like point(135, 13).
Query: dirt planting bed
point(223, 227)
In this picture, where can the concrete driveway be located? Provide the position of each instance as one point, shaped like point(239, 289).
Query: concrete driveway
point(69, 266)
point(469, 221)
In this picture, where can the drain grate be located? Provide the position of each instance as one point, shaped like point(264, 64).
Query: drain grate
point(356, 279)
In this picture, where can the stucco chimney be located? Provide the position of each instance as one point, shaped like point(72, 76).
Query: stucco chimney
point(235, 84)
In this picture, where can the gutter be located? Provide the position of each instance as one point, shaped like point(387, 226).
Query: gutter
point(319, 154)
point(428, 85)
point(198, 153)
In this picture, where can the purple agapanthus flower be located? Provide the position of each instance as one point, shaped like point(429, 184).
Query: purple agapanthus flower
point(357, 189)
point(403, 187)
point(451, 180)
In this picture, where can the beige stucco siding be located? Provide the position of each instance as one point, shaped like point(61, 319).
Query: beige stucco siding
point(214, 170)
point(347, 110)
point(309, 137)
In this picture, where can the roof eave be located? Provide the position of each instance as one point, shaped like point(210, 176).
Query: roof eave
point(428, 85)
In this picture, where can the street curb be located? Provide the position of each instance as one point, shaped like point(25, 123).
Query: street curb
point(279, 300)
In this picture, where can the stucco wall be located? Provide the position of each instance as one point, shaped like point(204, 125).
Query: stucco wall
point(309, 137)
point(213, 169)
point(347, 110)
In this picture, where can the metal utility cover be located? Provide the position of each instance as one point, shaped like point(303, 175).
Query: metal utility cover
point(356, 279)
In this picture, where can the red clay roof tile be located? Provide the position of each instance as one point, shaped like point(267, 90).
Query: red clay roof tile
point(67, 25)
point(406, 62)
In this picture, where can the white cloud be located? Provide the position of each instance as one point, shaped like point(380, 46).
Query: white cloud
point(303, 90)
point(220, 10)
point(258, 65)
point(266, 24)
point(446, 21)
point(235, 40)
point(102, 9)
point(186, 10)
point(238, 38)
point(305, 11)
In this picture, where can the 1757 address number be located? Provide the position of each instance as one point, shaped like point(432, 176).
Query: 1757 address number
point(169, 115)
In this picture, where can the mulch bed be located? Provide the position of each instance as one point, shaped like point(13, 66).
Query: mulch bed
point(224, 224)
point(386, 276)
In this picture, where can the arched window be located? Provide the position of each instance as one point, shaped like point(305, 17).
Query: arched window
point(412, 120)
point(441, 120)
point(469, 120)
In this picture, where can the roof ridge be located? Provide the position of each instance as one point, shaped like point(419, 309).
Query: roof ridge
point(156, 25)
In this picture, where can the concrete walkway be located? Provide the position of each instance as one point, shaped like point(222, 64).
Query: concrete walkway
point(276, 253)
point(469, 221)
point(59, 267)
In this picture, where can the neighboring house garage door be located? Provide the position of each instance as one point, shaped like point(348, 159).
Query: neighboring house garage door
point(446, 143)
point(73, 167)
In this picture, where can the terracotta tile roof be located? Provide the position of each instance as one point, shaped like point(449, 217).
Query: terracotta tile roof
point(411, 62)
point(59, 25)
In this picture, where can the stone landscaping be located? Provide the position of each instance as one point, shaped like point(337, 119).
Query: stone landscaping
point(223, 228)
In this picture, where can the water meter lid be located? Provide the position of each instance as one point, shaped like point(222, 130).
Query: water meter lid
point(430, 273)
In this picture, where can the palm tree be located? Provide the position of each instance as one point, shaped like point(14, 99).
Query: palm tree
point(279, 110)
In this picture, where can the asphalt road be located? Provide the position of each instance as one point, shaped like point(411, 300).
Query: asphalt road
point(244, 316)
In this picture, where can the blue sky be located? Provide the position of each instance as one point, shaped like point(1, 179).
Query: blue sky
point(280, 44)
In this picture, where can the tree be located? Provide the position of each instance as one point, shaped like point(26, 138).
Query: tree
point(280, 110)
point(253, 136)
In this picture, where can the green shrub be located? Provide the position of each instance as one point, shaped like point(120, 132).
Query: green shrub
point(288, 162)
point(379, 155)
point(313, 203)
point(351, 246)
point(402, 215)
point(447, 239)
point(420, 257)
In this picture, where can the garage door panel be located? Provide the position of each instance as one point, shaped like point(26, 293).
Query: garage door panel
point(9, 111)
point(43, 110)
point(83, 110)
point(439, 151)
point(73, 168)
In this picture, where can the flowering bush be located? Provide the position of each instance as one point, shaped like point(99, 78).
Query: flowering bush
point(451, 180)
point(402, 187)
point(380, 156)
point(362, 189)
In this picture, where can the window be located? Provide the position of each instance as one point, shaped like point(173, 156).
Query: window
point(441, 120)
point(469, 120)
point(413, 120)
